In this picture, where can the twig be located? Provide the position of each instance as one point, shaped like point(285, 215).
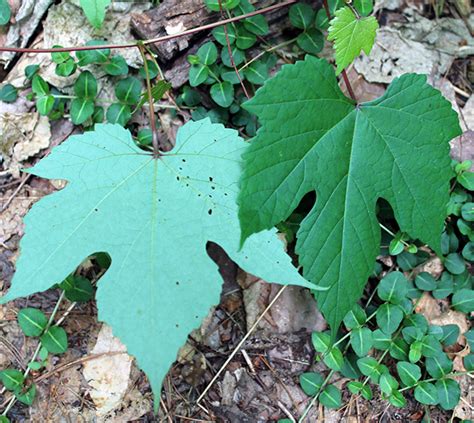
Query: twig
point(239, 345)
point(151, 105)
point(231, 56)
point(343, 73)
point(17, 190)
point(152, 40)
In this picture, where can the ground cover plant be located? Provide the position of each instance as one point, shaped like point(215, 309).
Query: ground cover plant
point(262, 137)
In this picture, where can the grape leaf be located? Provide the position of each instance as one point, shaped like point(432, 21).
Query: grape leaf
point(154, 217)
point(95, 11)
point(351, 35)
point(314, 138)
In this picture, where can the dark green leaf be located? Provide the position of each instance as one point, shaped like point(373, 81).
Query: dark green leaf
point(321, 341)
point(412, 334)
point(455, 263)
point(450, 334)
point(371, 368)
point(119, 113)
point(86, 86)
point(45, 104)
point(445, 286)
point(361, 341)
point(439, 365)
point(355, 318)
point(381, 340)
point(417, 320)
point(467, 212)
point(330, 397)
point(245, 39)
point(468, 251)
point(31, 71)
point(397, 399)
point(449, 242)
point(190, 97)
point(334, 359)
point(81, 110)
point(98, 115)
point(469, 335)
point(311, 41)
point(399, 349)
point(32, 321)
point(414, 354)
point(359, 387)
point(198, 75)
point(469, 362)
point(301, 15)
point(389, 316)
point(364, 7)
point(237, 54)
point(311, 383)
point(257, 25)
point(219, 35)
point(425, 281)
point(207, 53)
point(463, 300)
point(5, 12)
point(466, 179)
point(153, 70)
point(128, 90)
point(60, 57)
point(448, 393)
point(393, 288)
point(88, 57)
point(27, 397)
point(409, 373)
point(426, 393)
point(226, 4)
point(55, 340)
point(12, 379)
point(387, 383)
point(66, 68)
point(117, 66)
point(223, 93)
point(79, 289)
point(8, 93)
point(430, 346)
point(256, 73)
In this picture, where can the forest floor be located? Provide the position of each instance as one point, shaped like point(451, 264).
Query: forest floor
point(95, 380)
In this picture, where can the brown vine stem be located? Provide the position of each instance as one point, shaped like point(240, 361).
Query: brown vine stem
point(231, 56)
point(152, 40)
point(343, 73)
point(151, 103)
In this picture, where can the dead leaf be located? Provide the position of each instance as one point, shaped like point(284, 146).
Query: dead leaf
point(22, 135)
point(108, 376)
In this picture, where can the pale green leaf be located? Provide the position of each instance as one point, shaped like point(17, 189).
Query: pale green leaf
point(95, 11)
point(351, 35)
point(351, 156)
point(154, 218)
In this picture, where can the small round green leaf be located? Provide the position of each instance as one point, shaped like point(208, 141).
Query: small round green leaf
point(219, 34)
point(32, 321)
point(455, 263)
point(334, 359)
point(389, 317)
point(66, 68)
point(467, 212)
point(425, 281)
point(256, 73)
point(397, 399)
point(223, 93)
point(430, 346)
point(12, 379)
point(387, 383)
point(86, 86)
point(393, 288)
point(31, 71)
point(60, 57)
point(225, 4)
point(414, 354)
point(468, 362)
point(445, 286)
point(439, 365)
point(27, 397)
point(330, 397)
point(198, 75)
point(364, 7)
point(128, 90)
point(361, 341)
point(87, 57)
point(468, 251)
point(119, 113)
point(311, 41)
point(245, 39)
point(409, 373)
point(237, 55)
point(399, 349)
point(448, 393)
point(5, 12)
point(463, 300)
point(301, 15)
point(257, 25)
point(79, 289)
point(426, 393)
point(321, 341)
point(117, 66)
point(207, 53)
point(311, 383)
point(355, 318)
point(8, 93)
point(381, 340)
point(55, 340)
point(81, 110)
point(450, 334)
